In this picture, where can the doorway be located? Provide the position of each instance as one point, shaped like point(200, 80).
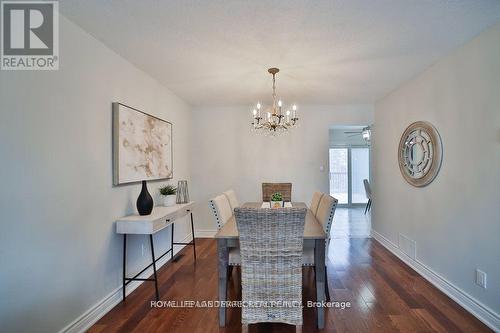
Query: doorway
point(349, 166)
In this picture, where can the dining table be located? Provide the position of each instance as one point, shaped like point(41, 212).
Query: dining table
point(314, 237)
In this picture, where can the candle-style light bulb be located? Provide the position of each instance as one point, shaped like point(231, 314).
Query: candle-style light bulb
point(258, 106)
point(280, 103)
point(294, 107)
point(254, 112)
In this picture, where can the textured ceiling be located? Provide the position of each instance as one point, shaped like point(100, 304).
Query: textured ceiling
point(330, 52)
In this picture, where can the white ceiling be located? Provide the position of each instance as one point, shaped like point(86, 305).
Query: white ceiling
point(330, 52)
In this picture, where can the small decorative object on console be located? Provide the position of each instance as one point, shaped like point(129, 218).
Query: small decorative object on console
point(182, 192)
point(144, 201)
point(169, 195)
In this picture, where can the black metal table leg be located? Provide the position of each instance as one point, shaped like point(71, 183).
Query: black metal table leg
point(172, 242)
point(154, 266)
point(124, 262)
point(192, 242)
point(192, 231)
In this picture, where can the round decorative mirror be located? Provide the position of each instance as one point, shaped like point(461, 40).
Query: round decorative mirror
point(420, 153)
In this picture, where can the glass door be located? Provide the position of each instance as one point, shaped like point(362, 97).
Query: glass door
point(348, 168)
point(339, 181)
point(360, 170)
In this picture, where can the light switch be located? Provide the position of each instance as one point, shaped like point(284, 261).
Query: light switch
point(321, 168)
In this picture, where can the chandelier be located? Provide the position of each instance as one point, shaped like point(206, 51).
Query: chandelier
point(275, 121)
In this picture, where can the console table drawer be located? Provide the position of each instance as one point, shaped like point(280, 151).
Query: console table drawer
point(159, 218)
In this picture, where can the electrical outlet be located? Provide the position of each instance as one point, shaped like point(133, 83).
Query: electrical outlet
point(481, 278)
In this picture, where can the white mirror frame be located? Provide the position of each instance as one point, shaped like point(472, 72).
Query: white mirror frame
point(435, 152)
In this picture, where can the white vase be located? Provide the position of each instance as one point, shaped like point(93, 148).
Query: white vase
point(169, 200)
point(276, 204)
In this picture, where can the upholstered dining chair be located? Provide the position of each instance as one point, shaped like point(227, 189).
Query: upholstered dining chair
point(221, 209)
point(315, 202)
point(324, 214)
point(268, 189)
point(368, 192)
point(233, 200)
point(271, 246)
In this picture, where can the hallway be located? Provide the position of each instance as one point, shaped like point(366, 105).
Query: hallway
point(351, 222)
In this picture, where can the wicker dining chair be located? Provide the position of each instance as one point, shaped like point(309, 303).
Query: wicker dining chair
point(233, 200)
point(268, 189)
point(271, 247)
point(324, 214)
point(221, 209)
point(315, 202)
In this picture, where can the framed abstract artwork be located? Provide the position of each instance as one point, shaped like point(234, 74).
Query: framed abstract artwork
point(142, 146)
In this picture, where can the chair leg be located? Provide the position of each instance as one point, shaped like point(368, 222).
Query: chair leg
point(367, 205)
point(314, 279)
point(244, 328)
point(298, 329)
point(327, 289)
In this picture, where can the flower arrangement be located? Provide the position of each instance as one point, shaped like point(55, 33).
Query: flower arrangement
point(277, 200)
point(169, 194)
point(277, 197)
point(168, 190)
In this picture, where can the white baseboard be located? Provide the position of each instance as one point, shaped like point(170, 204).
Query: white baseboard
point(96, 312)
point(205, 233)
point(480, 311)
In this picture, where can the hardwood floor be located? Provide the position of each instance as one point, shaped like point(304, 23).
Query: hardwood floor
point(351, 222)
point(386, 296)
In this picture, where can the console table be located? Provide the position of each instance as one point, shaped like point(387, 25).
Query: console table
point(160, 218)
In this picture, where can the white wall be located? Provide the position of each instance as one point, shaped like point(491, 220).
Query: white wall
point(456, 219)
point(58, 249)
point(226, 154)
